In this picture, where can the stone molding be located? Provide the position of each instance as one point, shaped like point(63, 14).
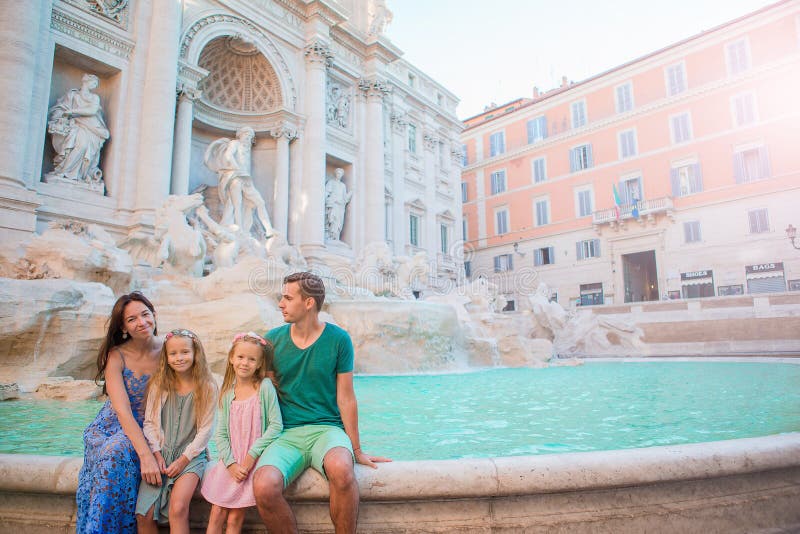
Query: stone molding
point(374, 88)
point(67, 24)
point(318, 52)
point(275, 58)
point(115, 11)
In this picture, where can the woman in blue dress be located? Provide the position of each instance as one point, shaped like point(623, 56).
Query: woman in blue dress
point(116, 454)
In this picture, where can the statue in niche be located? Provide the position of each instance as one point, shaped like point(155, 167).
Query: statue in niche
point(78, 132)
point(230, 159)
point(336, 199)
point(338, 106)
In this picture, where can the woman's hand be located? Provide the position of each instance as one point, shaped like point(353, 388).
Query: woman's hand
point(150, 471)
point(162, 465)
point(177, 466)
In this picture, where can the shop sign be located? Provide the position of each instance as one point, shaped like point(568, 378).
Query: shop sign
point(764, 267)
point(692, 275)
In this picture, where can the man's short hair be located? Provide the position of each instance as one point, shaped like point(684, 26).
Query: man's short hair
point(310, 285)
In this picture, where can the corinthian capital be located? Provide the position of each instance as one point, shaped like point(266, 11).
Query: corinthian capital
point(430, 140)
point(283, 129)
point(374, 88)
point(318, 52)
point(187, 91)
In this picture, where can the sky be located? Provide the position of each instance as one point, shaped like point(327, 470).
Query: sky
point(487, 51)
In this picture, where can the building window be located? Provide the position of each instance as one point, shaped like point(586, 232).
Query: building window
point(498, 182)
point(503, 263)
point(752, 164)
point(464, 192)
point(537, 129)
point(759, 221)
point(544, 256)
point(580, 158)
point(539, 169)
point(691, 232)
point(497, 144)
point(589, 248)
point(542, 208)
point(443, 239)
point(413, 229)
point(738, 57)
point(627, 144)
point(583, 202)
point(624, 100)
point(412, 138)
point(468, 268)
point(591, 294)
point(686, 180)
point(737, 289)
point(511, 305)
point(463, 229)
point(464, 158)
point(743, 107)
point(630, 191)
point(681, 127)
point(676, 79)
point(578, 110)
point(501, 221)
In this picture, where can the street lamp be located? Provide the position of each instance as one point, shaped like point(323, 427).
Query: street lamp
point(791, 233)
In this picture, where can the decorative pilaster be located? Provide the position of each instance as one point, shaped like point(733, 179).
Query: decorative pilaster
point(374, 91)
point(283, 134)
point(400, 219)
point(312, 215)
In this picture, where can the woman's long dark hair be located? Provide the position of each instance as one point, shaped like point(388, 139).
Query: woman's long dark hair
point(114, 330)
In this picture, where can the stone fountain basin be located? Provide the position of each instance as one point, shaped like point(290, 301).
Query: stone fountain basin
point(742, 485)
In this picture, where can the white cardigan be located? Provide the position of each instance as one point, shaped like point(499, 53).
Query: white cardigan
point(155, 434)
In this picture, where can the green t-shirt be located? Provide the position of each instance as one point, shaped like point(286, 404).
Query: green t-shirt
point(307, 377)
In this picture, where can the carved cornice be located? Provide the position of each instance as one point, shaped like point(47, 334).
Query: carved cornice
point(318, 52)
point(374, 88)
point(260, 122)
point(67, 24)
point(258, 36)
point(115, 11)
point(325, 11)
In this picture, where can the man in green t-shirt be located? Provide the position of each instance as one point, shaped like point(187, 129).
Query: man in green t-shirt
point(313, 368)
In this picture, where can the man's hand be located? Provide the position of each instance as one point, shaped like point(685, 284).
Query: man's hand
point(368, 460)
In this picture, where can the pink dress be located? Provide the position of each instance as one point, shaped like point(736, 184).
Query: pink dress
point(219, 487)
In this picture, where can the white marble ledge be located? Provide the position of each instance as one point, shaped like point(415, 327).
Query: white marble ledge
point(486, 477)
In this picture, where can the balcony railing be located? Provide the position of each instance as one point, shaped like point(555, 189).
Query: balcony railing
point(647, 210)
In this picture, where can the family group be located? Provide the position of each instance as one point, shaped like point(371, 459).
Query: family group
point(286, 403)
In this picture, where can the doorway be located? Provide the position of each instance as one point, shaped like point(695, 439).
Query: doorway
point(640, 276)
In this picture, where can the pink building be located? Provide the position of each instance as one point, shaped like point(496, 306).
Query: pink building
point(671, 176)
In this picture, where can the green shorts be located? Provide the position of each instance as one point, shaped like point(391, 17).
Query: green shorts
point(300, 447)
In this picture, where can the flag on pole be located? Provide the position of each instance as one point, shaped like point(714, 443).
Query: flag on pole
point(617, 201)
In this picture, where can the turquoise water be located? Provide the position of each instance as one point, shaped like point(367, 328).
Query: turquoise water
point(507, 412)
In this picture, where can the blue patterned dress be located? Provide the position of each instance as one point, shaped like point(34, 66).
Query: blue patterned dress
point(109, 479)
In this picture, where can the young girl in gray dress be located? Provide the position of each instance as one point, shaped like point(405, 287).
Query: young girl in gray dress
point(179, 416)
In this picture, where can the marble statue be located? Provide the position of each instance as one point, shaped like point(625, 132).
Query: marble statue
point(225, 243)
point(230, 159)
point(336, 199)
point(412, 274)
point(176, 245)
point(381, 17)
point(78, 131)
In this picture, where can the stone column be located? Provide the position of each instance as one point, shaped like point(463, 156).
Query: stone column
point(158, 104)
point(431, 229)
point(21, 37)
point(294, 193)
point(282, 134)
point(374, 205)
point(400, 227)
point(182, 151)
point(312, 216)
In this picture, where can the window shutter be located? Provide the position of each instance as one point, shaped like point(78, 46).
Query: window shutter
point(497, 264)
point(537, 257)
point(530, 131)
point(763, 158)
point(543, 127)
point(572, 159)
point(738, 167)
point(674, 177)
point(589, 158)
point(697, 178)
point(596, 248)
point(578, 250)
point(510, 262)
point(552, 254)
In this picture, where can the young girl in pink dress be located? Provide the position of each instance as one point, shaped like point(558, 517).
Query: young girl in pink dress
point(249, 419)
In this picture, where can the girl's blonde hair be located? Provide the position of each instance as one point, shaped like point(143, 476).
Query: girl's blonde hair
point(267, 355)
point(164, 379)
